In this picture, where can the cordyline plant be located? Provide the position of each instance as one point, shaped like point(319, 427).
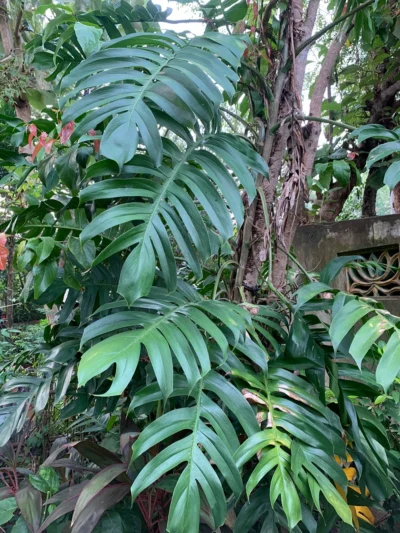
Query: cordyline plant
point(251, 417)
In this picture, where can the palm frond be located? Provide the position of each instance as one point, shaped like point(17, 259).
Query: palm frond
point(169, 326)
point(298, 446)
point(211, 438)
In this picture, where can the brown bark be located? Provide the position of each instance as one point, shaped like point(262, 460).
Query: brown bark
point(332, 207)
point(6, 34)
point(291, 202)
point(290, 208)
point(302, 31)
point(307, 29)
point(10, 283)
point(23, 108)
point(12, 46)
point(369, 202)
point(396, 199)
point(252, 233)
point(254, 236)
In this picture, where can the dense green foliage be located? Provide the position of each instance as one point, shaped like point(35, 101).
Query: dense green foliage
point(202, 411)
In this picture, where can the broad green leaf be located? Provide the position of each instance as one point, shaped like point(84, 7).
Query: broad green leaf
point(123, 350)
point(309, 291)
point(237, 12)
point(282, 485)
point(10, 158)
point(120, 139)
point(43, 276)
point(376, 131)
point(169, 73)
point(185, 505)
point(382, 151)
point(180, 329)
point(88, 37)
point(341, 171)
point(367, 335)
point(66, 168)
point(171, 208)
point(389, 365)
point(84, 253)
point(392, 175)
point(344, 321)
point(39, 483)
point(51, 477)
point(331, 494)
point(324, 171)
point(20, 526)
point(333, 268)
point(252, 511)
point(44, 249)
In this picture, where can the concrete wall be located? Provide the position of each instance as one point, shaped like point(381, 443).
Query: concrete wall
point(315, 245)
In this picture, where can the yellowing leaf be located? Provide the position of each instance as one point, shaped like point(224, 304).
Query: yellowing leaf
point(355, 518)
point(365, 514)
point(350, 473)
point(357, 489)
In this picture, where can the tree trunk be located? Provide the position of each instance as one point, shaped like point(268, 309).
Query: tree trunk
point(396, 200)
point(332, 207)
point(369, 201)
point(6, 34)
point(250, 254)
point(23, 108)
point(10, 283)
point(254, 236)
point(12, 46)
point(290, 209)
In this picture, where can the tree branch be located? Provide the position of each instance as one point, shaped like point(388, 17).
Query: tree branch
point(328, 121)
point(239, 119)
point(6, 58)
point(248, 228)
point(17, 37)
point(322, 32)
point(267, 12)
point(307, 28)
point(321, 84)
point(311, 15)
point(314, 119)
point(327, 66)
point(391, 91)
point(187, 21)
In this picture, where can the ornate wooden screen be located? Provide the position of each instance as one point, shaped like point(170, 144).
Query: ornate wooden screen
point(378, 276)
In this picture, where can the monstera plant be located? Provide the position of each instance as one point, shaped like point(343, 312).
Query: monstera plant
point(251, 417)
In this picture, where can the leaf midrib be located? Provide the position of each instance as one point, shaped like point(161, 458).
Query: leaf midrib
point(168, 182)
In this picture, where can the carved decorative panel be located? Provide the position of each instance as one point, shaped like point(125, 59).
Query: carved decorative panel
point(382, 278)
